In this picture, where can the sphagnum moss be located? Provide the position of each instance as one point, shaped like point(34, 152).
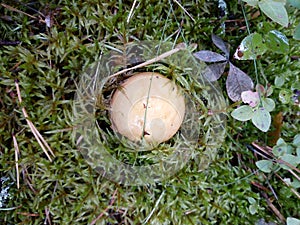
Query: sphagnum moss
point(47, 62)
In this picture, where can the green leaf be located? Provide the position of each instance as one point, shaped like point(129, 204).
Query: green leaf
point(242, 113)
point(295, 3)
point(285, 96)
point(275, 10)
point(251, 2)
point(292, 221)
point(298, 151)
point(279, 81)
point(251, 47)
point(262, 119)
point(295, 183)
point(253, 209)
point(277, 42)
point(251, 200)
point(297, 33)
point(296, 140)
point(264, 165)
point(291, 159)
point(268, 104)
point(280, 141)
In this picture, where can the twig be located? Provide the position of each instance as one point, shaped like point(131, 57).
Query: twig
point(44, 145)
point(150, 61)
point(107, 208)
point(273, 208)
point(184, 10)
point(17, 152)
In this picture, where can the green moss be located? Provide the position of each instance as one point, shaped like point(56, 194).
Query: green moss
point(48, 63)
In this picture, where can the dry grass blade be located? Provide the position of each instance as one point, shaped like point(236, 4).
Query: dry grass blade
point(17, 152)
point(287, 184)
point(131, 11)
point(18, 11)
point(44, 145)
point(150, 61)
point(273, 208)
point(184, 10)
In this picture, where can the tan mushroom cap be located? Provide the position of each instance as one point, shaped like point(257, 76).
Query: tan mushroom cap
point(149, 97)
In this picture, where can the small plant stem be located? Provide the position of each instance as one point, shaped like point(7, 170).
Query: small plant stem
point(17, 152)
point(262, 72)
point(254, 60)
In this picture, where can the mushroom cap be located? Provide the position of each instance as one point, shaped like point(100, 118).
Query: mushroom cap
point(147, 105)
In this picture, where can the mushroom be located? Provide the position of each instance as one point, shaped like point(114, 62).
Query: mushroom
point(147, 105)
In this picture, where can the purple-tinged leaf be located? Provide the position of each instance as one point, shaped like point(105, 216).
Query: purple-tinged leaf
point(237, 82)
point(209, 56)
point(250, 97)
point(214, 71)
point(221, 44)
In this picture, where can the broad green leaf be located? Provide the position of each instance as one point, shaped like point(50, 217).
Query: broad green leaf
point(251, 47)
point(283, 149)
point(291, 159)
point(298, 151)
point(295, 3)
point(242, 113)
point(297, 32)
point(275, 10)
point(261, 119)
point(280, 150)
point(292, 221)
point(251, 2)
point(296, 140)
point(268, 104)
point(264, 165)
point(237, 82)
point(277, 42)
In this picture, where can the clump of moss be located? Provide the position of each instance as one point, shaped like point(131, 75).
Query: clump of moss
point(48, 62)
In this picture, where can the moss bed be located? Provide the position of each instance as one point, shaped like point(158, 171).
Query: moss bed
point(47, 44)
